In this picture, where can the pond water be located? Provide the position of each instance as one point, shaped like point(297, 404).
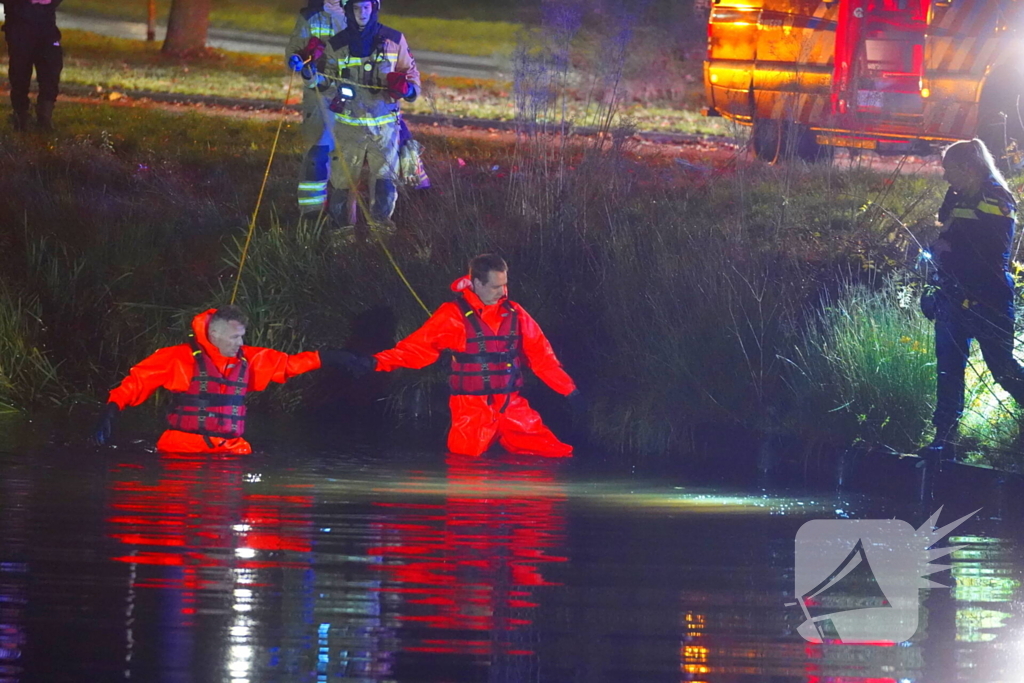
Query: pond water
point(302, 564)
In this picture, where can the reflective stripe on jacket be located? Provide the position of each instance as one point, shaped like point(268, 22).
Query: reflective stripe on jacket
point(372, 105)
point(979, 233)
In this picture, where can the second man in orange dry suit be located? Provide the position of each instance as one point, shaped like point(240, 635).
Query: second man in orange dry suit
point(209, 378)
point(493, 340)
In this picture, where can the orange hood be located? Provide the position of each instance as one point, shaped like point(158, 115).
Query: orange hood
point(464, 286)
point(200, 324)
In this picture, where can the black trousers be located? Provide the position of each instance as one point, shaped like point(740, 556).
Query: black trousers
point(33, 46)
point(992, 325)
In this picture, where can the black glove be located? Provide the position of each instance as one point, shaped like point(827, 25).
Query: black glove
point(578, 404)
point(361, 365)
point(354, 363)
point(336, 358)
point(105, 425)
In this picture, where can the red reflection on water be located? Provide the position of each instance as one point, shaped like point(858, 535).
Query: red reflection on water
point(196, 514)
point(474, 561)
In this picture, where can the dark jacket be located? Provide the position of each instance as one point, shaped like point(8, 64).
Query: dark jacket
point(979, 234)
point(23, 11)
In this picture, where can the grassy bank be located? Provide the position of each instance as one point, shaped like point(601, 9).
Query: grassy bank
point(115, 65)
point(768, 300)
point(458, 33)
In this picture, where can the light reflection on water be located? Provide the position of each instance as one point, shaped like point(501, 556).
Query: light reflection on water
point(244, 570)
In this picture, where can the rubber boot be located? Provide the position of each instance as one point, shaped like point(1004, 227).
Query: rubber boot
point(44, 116)
point(20, 119)
point(384, 196)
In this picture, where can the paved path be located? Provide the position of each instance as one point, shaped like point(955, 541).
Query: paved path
point(439, 63)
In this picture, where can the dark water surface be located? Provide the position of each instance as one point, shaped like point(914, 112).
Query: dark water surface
point(298, 565)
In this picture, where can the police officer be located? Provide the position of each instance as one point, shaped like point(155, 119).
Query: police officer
point(976, 297)
point(317, 23)
point(33, 40)
point(369, 69)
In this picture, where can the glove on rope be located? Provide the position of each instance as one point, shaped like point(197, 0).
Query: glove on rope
point(304, 61)
point(105, 425)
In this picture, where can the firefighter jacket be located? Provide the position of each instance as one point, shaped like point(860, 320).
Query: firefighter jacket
point(447, 330)
point(371, 104)
point(321, 25)
point(979, 234)
point(179, 368)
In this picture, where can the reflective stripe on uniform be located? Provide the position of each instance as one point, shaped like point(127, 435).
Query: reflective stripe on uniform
point(312, 194)
point(994, 208)
point(367, 120)
point(965, 213)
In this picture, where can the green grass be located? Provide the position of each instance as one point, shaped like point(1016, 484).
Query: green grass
point(453, 35)
point(116, 64)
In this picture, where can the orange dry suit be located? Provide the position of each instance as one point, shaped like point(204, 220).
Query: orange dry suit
point(208, 388)
point(490, 345)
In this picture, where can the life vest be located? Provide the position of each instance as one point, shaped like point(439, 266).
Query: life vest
point(491, 363)
point(214, 404)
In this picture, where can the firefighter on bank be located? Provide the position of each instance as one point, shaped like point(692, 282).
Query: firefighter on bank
point(209, 378)
point(368, 71)
point(317, 22)
point(975, 296)
point(33, 41)
point(493, 339)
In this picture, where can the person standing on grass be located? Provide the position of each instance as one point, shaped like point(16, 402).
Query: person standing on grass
point(317, 23)
point(975, 299)
point(368, 71)
point(492, 340)
point(33, 41)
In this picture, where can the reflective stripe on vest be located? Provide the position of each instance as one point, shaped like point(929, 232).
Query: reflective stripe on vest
point(367, 120)
point(214, 404)
point(322, 26)
point(491, 363)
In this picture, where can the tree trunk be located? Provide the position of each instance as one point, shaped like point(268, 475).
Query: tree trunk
point(187, 26)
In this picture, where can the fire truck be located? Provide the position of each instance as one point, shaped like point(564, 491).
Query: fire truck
point(886, 75)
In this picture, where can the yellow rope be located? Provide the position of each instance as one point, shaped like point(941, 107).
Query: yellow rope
point(328, 117)
point(402, 275)
point(263, 187)
point(329, 121)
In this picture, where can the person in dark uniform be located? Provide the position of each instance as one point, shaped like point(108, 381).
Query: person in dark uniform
point(975, 299)
point(33, 40)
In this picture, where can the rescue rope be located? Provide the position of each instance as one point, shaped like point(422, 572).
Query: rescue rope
point(364, 209)
point(263, 187)
point(328, 117)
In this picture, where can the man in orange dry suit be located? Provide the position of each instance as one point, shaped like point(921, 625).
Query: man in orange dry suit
point(209, 378)
point(492, 339)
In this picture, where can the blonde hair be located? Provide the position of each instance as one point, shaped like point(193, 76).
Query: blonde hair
point(974, 154)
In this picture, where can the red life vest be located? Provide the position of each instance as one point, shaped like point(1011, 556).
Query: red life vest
point(491, 363)
point(214, 404)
